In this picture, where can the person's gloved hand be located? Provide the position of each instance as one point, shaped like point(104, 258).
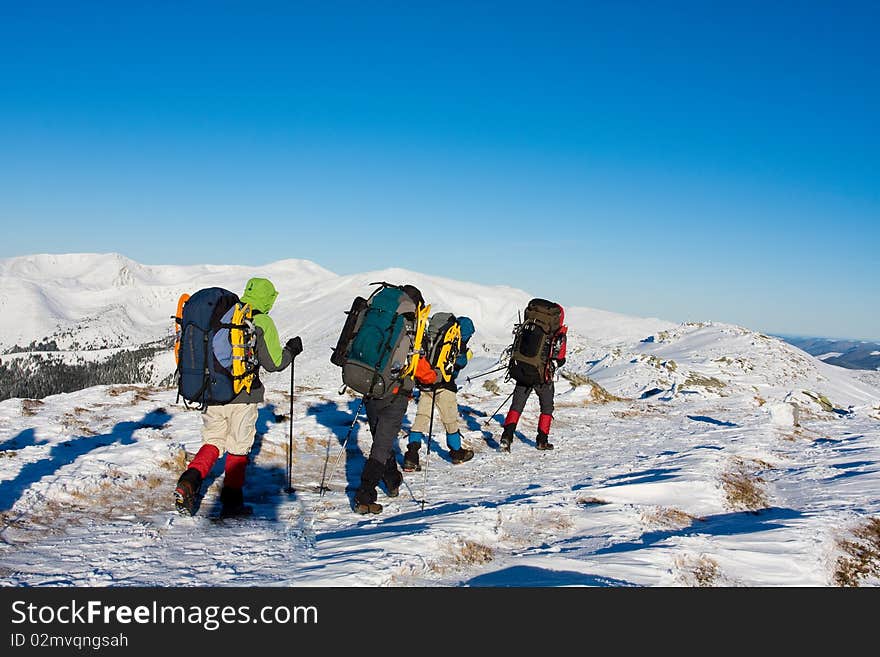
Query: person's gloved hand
point(294, 346)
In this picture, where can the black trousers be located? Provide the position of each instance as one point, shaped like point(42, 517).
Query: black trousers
point(545, 392)
point(385, 417)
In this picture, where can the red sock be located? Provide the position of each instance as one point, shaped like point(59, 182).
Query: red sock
point(235, 465)
point(512, 418)
point(205, 459)
point(544, 423)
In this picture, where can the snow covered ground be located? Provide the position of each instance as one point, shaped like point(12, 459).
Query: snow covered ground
point(699, 454)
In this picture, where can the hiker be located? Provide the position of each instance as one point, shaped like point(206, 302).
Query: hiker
point(538, 351)
point(441, 397)
point(385, 417)
point(230, 427)
point(379, 351)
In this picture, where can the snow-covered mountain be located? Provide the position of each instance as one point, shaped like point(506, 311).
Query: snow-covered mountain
point(692, 454)
point(91, 305)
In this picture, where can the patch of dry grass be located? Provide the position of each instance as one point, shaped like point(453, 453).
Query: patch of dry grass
point(695, 380)
point(590, 501)
point(71, 422)
point(666, 365)
point(743, 363)
point(743, 486)
point(820, 399)
point(861, 555)
point(176, 462)
point(462, 554)
point(30, 407)
point(598, 394)
point(141, 393)
point(667, 518)
point(492, 386)
point(697, 571)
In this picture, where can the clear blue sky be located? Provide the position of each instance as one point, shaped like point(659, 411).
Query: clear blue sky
point(683, 160)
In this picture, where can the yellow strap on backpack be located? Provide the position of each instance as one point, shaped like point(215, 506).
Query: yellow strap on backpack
point(421, 323)
point(449, 350)
point(243, 345)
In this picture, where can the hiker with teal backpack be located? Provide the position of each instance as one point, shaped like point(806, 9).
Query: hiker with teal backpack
point(224, 341)
point(448, 338)
point(380, 353)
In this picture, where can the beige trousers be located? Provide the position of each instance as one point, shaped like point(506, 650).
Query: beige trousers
point(230, 428)
point(445, 405)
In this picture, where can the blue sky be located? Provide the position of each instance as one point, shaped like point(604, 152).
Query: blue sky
point(690, 161)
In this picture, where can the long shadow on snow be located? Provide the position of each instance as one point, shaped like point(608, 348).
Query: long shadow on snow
point(533, 576)
point(851, 469)
point(340, 422)
point(518, 434)
point(67, 452)
point(470, 416)
point(711, 420)
point(644, 477)
point(725, 524)
point(400, 523)
point(27, 438)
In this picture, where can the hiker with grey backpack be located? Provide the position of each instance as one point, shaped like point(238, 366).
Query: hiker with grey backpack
point(447, 337)
point(538, 350)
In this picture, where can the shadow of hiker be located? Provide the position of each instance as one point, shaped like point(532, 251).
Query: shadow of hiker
point(346, 427)
point(470, 415)
point(66, 452)
point(27, 438)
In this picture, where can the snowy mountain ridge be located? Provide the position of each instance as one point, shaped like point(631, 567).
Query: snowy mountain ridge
point(697, 454)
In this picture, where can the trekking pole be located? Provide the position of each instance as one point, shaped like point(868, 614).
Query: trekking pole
point(499, 408)
point(341, 451)
point(477, 376)
point(430, 435)
point(290, 441)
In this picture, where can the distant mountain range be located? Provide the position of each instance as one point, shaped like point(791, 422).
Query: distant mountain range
point(852, 354)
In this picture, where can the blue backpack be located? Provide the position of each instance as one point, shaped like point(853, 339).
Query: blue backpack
point(202, 378)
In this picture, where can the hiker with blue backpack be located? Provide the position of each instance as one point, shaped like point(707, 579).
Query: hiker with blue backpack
point(380, 353)
point(448, 336)
point(224, 342)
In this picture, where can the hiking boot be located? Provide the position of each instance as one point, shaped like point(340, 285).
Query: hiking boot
point(507, 437)
point(392, 484)
point(460, 455)
point(542, 443)
point(365, 502)
point(232, 501)
point(392, 477)
point(365, 497)
point(186, 492)
point(367, 507)
point(411, 458)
